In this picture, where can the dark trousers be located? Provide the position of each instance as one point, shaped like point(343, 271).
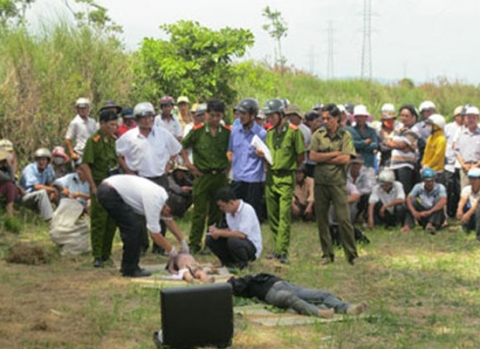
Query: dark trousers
point(251, 193)
point(127, 221)
point(9, 190)
point(437, 218)
point(471, 224)
point(389, 219)
point(232, 251)
point(163, 182)
point(362, 207)
point(452, 183)
point(406, 176)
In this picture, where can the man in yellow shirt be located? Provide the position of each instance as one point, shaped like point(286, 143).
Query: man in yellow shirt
point(435, 149)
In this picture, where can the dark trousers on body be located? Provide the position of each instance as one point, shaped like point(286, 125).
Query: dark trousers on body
point(406, 176)
point(129, 224)
point(452, 183)
point(251, 193)
point(437, 218)
point(389, 219)
point(232, 251)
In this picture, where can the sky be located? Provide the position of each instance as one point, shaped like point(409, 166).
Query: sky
point(419, 39)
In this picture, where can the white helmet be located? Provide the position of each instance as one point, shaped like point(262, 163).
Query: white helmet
point(82, 103)
point(427, 105)
point(386, 176)
point(144, 109)
point(388, 108)
point(436, 119)
point(42, 153)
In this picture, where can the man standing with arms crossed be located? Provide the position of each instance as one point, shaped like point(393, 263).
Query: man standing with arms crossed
point(285, 142)
point(332, 148)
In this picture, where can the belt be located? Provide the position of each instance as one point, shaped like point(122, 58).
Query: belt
point(214, 172)
point(282, 172)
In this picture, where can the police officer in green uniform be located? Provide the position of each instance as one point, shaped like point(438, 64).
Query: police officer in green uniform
point(209, 144)
point(285, 142)
point(100, 161)
point(331, 148)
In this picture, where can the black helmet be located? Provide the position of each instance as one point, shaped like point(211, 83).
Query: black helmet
point(274, 105)
point(349, 107)
point(248, 105)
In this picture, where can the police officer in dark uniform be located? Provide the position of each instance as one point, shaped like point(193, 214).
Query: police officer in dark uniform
point(209, 143)
point(332, 148)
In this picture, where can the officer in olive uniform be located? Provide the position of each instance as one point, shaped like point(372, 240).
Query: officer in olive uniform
point(209, 144)
point(285, 142)
point(331, 148)
point(99, 162)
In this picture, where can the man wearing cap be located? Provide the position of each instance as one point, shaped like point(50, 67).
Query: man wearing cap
point(167, 120)
point(247, 166)
point(209, 144)
point(128, 121)
point(386, 204)
point(467, 145)
point(184, 110)
point(467, 207)
point(125, 198)
point(358, 176)
point(426, 109)
point(198, 111)
point(332, 149)
point(79, 129)
point(426, 203)
point(7, 182)
point(7, 146)
point(452, 166)
point(364, 139)
point(36, 180)
point(148, 151)
point(387, 129)
point(59, 161)
point(180, 185)
point(287, 148)
point(99, 162)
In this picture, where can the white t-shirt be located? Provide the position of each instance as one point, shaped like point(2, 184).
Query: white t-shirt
point(472, 197)
point(148, 156)
point(145, 197)
point(79, 131)
point(245, 221)
point(173, 126)
point(378, 194)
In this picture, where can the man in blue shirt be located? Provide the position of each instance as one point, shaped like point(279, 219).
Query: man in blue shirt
point(36, 180)
point(75, 186)
point(247, 167)
point(426, 203)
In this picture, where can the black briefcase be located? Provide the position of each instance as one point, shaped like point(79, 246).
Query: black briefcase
point(197, 316)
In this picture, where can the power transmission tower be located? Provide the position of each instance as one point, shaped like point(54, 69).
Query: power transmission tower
point(367, 44)
point(330, 73)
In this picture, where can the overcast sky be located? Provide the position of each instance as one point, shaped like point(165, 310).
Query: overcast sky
point(418, 39)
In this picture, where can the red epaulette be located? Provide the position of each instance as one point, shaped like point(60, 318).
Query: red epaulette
point(199, 126)
point(293, 127)
point(96, 138)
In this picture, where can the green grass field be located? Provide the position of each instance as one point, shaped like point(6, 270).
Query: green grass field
point(422, 290)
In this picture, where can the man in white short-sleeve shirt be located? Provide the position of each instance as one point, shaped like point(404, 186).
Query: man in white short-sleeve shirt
point(80, 129)
point(241, 242)
point(125, 197)
point(386, 204)
point(467, 207)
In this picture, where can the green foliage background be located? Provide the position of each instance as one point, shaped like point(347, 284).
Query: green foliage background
point(42, 74)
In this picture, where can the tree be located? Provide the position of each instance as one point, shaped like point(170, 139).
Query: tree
point(14, 10)
point(93, 15)
point(196, 61)
point(277, 28)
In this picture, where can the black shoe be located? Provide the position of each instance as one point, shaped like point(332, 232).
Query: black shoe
point(98, 262)
point(283, 259)
point(138, 273)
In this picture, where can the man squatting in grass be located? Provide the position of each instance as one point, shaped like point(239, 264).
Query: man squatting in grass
point(124, 197)
point(273, 290)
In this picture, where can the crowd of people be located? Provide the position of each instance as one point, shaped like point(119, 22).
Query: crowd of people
point(138, 168)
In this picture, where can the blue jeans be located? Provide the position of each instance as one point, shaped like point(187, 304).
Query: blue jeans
point(305, 301)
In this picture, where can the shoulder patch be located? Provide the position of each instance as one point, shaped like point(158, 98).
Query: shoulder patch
point(199, 126)
point(293, 127)
point(97, 138)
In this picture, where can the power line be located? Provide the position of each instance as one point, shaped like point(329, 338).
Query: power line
point(366, 72)
point(330, 70)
